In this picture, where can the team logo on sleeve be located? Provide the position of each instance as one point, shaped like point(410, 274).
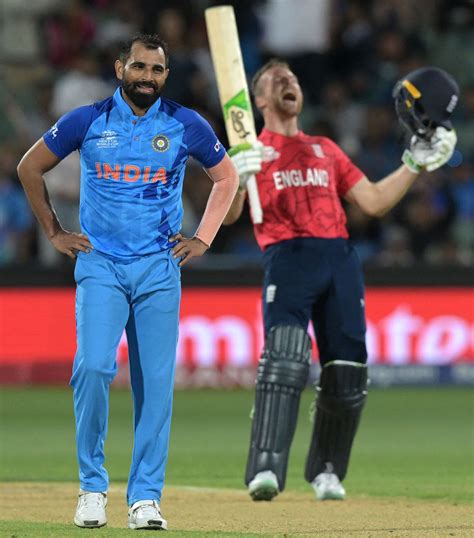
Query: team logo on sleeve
point(54, 130)
point(160, 143)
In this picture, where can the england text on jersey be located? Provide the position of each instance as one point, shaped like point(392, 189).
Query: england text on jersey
point(297, 178)
point(301, 187)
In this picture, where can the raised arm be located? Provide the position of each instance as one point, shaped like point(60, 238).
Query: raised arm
point(38, 160)
point(376, 199)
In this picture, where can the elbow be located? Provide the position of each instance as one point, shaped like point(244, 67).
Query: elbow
point(230, 218)
point(234, 212)
point(20, 168)
point(235, 209)
point(374, 210)
point(228, 186)
point(381, 210)
point(23, 168)
point(235, 185)
point(378, 213)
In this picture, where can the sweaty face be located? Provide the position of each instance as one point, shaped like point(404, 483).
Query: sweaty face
point(280, 92)
point(143, 75)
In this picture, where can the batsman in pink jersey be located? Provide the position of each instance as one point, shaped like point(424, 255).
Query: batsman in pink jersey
point(311, 271)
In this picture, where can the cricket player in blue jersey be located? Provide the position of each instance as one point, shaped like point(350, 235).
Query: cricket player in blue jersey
point(134, 147)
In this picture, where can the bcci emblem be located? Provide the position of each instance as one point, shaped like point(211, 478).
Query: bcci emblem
point(160, 143)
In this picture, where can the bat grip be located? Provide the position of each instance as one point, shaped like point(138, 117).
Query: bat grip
point(256, 211)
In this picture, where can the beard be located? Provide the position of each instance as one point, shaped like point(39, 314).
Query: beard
point(139, 99)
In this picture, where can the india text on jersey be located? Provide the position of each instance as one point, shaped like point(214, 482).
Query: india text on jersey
point(130, 173)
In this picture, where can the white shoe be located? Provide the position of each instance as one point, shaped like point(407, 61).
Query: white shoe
point(90, 511)
point(327, 486)
point(264, 486)
point(146, 515)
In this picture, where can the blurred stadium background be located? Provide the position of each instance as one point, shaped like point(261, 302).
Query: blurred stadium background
point(57, 55)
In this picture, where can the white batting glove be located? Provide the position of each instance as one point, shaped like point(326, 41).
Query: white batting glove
point(430, 155)
point(247, 159)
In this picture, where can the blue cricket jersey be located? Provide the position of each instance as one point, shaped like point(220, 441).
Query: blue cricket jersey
point(132, 170)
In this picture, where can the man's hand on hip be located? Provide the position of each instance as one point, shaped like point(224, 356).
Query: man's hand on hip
point(247, 159)
point(70, 243)
point(187, 248)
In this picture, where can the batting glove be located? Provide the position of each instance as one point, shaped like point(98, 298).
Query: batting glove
point(430, 155)
point(247, 159)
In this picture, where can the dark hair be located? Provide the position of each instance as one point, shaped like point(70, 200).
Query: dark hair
point(151, 42)
point(274, 62)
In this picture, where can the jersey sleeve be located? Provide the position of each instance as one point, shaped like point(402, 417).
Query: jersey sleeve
point(67, 134)
point(203, 143)
point(348, 174)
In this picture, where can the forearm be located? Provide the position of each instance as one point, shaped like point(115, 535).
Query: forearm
point(376, 199)
point(220, 199)
point(236, 208)
point(391, 189)
point(37, 193)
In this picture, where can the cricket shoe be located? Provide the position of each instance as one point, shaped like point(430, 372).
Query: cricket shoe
point(90, 511)
point(327, 486)
point(146, 515)
point(264, 486)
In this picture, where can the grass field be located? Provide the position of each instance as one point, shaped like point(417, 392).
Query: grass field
point(414, 446)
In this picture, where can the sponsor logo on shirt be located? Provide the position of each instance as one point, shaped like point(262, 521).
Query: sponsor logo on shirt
point(160, 143)
point(108, 139)
point(217, 146)
point(130, 173)
point(315, 177)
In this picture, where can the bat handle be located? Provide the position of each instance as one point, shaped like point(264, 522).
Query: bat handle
point(256, 211)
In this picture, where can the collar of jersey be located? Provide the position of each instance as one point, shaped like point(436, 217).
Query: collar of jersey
point(127, 112)
point(299, 134)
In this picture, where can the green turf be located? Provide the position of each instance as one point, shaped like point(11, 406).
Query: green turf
point(412, 442)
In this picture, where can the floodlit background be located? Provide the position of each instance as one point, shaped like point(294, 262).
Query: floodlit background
point(56, 55)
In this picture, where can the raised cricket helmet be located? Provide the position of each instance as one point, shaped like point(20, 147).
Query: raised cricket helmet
point(425, 99)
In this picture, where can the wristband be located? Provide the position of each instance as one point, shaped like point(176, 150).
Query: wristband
point(240, 147)
point(409, 161)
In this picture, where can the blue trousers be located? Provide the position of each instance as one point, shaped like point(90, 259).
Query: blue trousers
point(319, 280)
point(143, 298)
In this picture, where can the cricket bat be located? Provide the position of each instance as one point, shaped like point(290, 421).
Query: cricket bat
point(233, 89)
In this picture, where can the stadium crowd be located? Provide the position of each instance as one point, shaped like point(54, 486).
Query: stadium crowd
point(56, 55)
